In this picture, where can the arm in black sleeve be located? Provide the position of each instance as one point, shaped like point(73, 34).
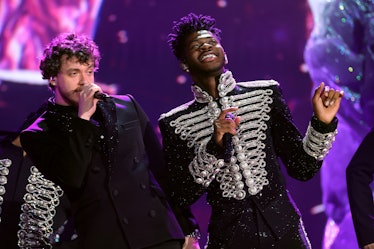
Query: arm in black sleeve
point(289, 143)
point(62, 152)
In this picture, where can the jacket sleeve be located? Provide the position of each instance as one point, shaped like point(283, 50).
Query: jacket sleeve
point(63, 152)
point(292, 147)
point(359, 174)
point(178, 156)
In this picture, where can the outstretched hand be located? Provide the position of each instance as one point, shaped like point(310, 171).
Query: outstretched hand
point(326, 102)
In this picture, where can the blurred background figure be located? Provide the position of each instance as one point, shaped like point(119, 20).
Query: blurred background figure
point(339, 52)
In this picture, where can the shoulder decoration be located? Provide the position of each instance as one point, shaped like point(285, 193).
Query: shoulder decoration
point(258, 83)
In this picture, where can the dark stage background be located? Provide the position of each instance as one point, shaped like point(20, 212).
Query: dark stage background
point(263, 39)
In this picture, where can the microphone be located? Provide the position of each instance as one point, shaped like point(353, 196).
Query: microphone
point(100, 95)
point(227, 142)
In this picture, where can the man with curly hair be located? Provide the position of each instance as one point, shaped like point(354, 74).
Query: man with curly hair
point(226, 142)
point(103, 152)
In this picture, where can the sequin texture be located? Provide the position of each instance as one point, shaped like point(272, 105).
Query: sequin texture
point(252, 180)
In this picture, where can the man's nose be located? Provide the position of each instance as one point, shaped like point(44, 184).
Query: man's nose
point(84, 80)
point(205, 45)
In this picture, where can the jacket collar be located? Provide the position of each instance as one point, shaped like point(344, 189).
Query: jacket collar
point(226, 83)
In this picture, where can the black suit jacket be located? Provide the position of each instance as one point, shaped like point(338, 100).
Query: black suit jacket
point(359, 175)
point(106, 167)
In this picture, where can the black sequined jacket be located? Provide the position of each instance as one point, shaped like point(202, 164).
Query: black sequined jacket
point(107, 167)
point(266, 133)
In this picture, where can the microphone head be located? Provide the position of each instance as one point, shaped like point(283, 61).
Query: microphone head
point(100, 95)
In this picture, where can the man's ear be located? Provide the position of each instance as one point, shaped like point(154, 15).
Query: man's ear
point(226, 60)
point(52, 81)
point(184, 67)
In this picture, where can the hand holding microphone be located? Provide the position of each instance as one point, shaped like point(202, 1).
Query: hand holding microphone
point(224, 129)
point(89, 95)
point(227, 141)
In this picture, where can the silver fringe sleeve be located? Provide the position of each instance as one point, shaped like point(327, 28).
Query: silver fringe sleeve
point(318, 144)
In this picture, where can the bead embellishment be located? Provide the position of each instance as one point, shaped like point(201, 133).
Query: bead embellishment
point(247, 165)
point(36, 220)
point(4, 172)
point(318, 144)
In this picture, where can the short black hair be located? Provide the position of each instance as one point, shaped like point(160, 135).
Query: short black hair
point(69, 44)
point(187, 25)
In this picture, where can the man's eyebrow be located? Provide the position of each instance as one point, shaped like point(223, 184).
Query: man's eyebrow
point(199, 38)
point(72, 69)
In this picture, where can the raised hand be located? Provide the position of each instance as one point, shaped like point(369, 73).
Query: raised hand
point(87, 102)
point(224, 125)
point(326, 102)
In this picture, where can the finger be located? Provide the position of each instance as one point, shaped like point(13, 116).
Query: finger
point(89, 89)
point(318, 92)
point(217, 124)
point(332, 97)
point(96, 88)
point(224, 124)
point(339, 99)
point(332, 93)
point(329, 96)
point(338, 96)
point(341, 93)
point(85, 91)
point(226, 111)
point(237, 120)
point(326, 91)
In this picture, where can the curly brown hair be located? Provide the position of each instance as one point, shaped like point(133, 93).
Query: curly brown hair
point(72, 45)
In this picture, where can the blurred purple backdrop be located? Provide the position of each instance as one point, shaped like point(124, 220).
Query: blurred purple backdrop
point(263, 39)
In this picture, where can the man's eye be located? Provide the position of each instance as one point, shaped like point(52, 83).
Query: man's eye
point(195, 46)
